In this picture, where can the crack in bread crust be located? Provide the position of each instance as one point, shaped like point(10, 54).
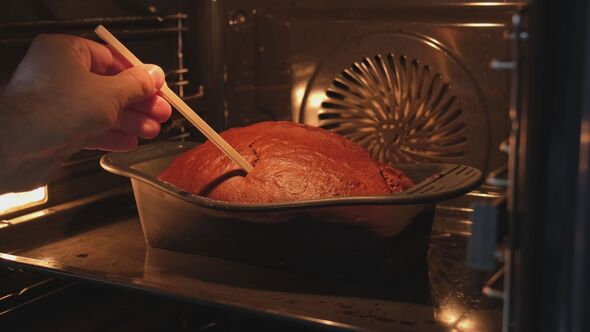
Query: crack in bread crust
point(256, 156)
point(385, 179)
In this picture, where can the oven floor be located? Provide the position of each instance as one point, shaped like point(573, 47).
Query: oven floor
point(442, 294)
point(77, 307)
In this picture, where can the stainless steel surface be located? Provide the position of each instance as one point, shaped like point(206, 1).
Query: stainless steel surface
point(415, 119)
point(282, 59)
point(30, 294)
point(481, 247)
point(498, 177)
point(260, 60)
point(65, 207)
point(517, 37)
point(24, 32)
point(491, 287)
point(124, 26)
point(397, 105)
point(502, 64)
point(549, 271)
point(442, 294)
point(35, 302)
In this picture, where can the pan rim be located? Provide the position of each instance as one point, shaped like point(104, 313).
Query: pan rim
point(121, 163)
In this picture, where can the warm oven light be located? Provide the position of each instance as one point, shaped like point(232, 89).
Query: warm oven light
point(17, 201)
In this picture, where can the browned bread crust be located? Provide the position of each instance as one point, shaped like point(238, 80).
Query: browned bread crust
point(292, 162)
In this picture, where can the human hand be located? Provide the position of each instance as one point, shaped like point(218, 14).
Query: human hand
point(90, 96)
point(70, 93)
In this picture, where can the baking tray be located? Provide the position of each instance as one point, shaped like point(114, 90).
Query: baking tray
point(110, 251)
point(357, 237)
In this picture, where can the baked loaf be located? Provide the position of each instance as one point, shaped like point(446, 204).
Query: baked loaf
point(292, 162)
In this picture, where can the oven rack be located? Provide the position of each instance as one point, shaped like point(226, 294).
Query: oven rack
point(19, 33)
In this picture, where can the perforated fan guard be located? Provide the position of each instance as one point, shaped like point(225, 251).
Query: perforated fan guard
point(404, 97)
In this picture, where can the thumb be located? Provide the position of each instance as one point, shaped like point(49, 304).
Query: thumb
point(138, 83)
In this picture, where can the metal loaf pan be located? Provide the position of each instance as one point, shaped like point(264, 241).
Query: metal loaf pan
point(357, 237)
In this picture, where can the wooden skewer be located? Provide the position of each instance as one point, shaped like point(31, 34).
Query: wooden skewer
point(177, 102)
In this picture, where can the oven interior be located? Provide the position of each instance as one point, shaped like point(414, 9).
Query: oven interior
point(410, 81)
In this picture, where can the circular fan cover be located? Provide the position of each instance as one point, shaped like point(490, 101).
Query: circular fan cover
point(397, 108)
point(400, 107)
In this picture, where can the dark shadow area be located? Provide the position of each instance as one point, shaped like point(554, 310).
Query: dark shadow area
point(219, 180)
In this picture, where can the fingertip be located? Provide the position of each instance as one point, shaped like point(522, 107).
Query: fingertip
point(150, 129)
point(136, 84)
point(156, 73)
point(165, 110)
point(155, 107)
point(136, 124)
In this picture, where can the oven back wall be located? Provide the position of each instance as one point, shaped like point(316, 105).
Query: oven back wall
point(408, 80)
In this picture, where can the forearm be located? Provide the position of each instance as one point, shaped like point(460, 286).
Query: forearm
point(31, 151)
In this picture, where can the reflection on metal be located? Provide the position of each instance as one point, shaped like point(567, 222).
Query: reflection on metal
point(125, 26)
point(499, 177)
point(455, 290)
point(181, 82)
point(18, 201)
point(477, 25)
point(466, 324)
point(449, 316)
point(490, 290)
point(456, 209)
point(36, 215)
point(24, 32)
point(397, 108)
point(478, 193)
point(31, 294)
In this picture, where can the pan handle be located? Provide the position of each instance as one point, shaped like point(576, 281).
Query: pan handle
point(450, 181)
